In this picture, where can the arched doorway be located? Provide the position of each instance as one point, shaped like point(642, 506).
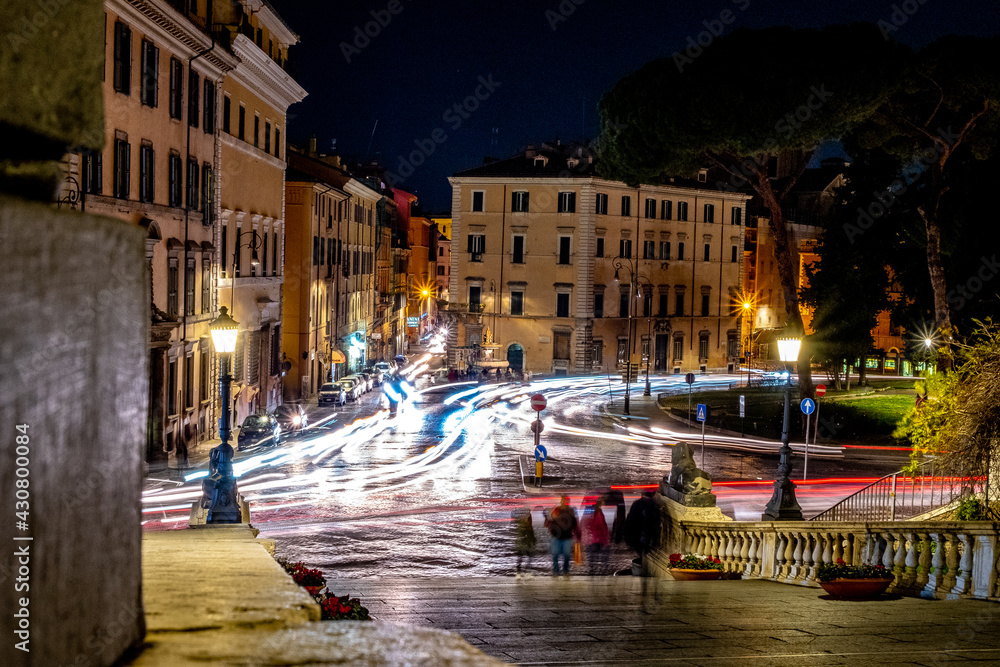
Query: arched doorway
point(515, 357)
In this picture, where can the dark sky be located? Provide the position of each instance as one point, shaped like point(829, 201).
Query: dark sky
point(430, 55)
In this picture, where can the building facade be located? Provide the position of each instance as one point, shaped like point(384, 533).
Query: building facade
point(442, 242)
point(561, 270)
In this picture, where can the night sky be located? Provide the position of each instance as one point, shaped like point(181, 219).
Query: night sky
point(534, 83)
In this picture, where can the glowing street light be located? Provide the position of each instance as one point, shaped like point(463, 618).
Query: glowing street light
point(783, 506)
point(220, 495)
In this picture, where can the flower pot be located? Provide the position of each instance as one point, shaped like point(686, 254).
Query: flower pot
point(856, 589)
point(313, 590)
point(694, 575)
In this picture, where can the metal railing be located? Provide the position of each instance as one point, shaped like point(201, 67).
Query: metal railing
point(904, 495)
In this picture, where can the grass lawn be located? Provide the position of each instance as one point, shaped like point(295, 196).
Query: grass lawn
point(866, 414)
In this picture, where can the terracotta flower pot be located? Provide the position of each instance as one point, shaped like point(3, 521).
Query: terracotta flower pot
point(694, 575)
point(855, 589)
point(313, 590)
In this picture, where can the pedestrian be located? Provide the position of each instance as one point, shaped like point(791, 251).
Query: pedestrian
point(498, 375)
point(596, 538)
point(617, 498)
point(508, 375)
point(524, 540)
point(182, 444)
point(564, 528)
point(642, 527)
point(452, 375)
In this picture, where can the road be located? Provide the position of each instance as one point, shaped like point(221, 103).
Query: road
point(431, 490)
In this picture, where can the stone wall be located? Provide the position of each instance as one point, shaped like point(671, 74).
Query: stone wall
point(74, 336)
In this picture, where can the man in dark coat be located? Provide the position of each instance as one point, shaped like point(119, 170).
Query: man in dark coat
point(642, 526)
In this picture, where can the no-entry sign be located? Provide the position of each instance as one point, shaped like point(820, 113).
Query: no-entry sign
point(538, 403)
point(820, 390)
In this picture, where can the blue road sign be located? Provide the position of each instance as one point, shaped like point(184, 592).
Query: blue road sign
point(702, 413)
point(540, 453)
point(808, 406)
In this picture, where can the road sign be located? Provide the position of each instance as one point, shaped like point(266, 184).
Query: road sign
point(743, 406)
point(689, 378)
point(540, 453)
point(537, 426)
point(702, 412)
point(538, 403)
point(808, 405)
point(820, 390)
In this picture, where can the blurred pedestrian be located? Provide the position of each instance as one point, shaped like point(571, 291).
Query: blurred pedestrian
point(642, 527)
point(524, 540)
point(452, 375)
point(596, 538)
point(508, 376)
point(564, 528)
point(617, 498)
point(499, 375)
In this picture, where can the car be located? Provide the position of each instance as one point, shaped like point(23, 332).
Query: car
point(332, 393)
point(258, 428)
point(352, 389)
point(401, 359)
point(439, 376)
point(361, 382)
point(369, 379)
point(387, 367)
point(292, 417)
point(378, 377)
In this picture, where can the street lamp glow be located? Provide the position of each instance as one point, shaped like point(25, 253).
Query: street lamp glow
point(746, 305)
point(928, 342)
point(224, 331)
point(788, 348)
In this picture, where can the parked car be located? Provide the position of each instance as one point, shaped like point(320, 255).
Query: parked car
point(292, 418)
point(378, 377)
point(360, 381)
point(369, 379)
point(386, 367)
point(352, 389)
point(257, 428)
point(332, 393)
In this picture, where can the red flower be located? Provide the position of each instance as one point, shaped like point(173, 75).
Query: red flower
point(840, 561)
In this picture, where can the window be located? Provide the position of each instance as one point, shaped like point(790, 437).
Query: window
point(645, 349)
point(704, 305)
point(600, 247)
point(562, 305)
point(567, 202)
point(315, 250)
point(623, 302)
point(599, 305)
point(267, 136)
point(172, 388)
point(148, 93)
point(192, 185)
point(626, 205)
point(194, 83)
point(176, 88)
point(597, 353)
point(207, 194)
point(517, 303)
point(709, 212)
point(622, 351)
point(92, 171)
point(732, 345)
point(274, 255)
point(478, 201)
point(477, 246)
point(735, 252)
point(263, 255)
point(174, 177)
point(189, 287)
point(517, 252)
point(206, 371)
point(703, 346)
point(224, 252)
point(209, 107)
point(519, 202)
point(172, 288)
point(242, 123)
point(625, 248)
point(602, 204)
point(206, 288)
point(560, 343)
point(666, 209)
point(663, 304)
point(649, 249)
point(564, 242)
point(256, 131)
point(737, 218)
point(123, 162)
point(708, 252)
point(680, 250)
point(651, 208)
point(678, 349)
point(147, 173)
point(475, 298)
point(664, 249)
point(647, 303)
point(277, 142)
point(679, 304)
point(227, 110)
point(123, 59)
point(440, 270)
point(682, 210)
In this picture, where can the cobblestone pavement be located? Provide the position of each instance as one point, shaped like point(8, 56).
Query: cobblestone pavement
point(544, 620)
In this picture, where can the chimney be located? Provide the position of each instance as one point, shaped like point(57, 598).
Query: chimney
point(312, 144)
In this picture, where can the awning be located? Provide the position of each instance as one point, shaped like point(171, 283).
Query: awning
point(337, 357)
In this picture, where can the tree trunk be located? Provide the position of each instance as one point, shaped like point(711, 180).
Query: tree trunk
point(850, 368)
point(935, 267)
point(863, 372)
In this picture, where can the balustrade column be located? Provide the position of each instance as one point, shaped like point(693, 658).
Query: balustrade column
point(822, 546)
point(923, 562)
point(909, 574)
point(951, 563)
point(963, 578)
point(751, 569)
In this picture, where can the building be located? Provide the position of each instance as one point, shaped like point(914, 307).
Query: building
point(551, 265)
point(442, 241)
point(421, 280)
point(256, 95)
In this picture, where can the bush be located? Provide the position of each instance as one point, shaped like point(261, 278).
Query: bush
point(841, 570)
point(693, 562)
point(343, 608)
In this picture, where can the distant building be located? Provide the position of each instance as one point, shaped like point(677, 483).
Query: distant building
point(443, 266)
point(542, 264)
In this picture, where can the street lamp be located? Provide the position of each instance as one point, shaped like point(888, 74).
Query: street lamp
point(783, 506)
point(220, 488)
point(619, 264)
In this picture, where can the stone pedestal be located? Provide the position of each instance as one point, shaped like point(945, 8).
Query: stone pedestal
point(672, 539)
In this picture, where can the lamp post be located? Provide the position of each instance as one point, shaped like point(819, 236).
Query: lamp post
point(783, 506)
point(619, 264)
point(220, 487)
point(647, 390)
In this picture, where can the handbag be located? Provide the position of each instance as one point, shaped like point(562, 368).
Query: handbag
point(577, 553)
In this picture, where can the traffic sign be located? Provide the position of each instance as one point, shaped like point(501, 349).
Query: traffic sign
point(820, 390)
point(743, 406)
point(702, 413)
point(540, 453)
point(689, 378)
point(538, 403)
point(537, 426)
point(808, 405)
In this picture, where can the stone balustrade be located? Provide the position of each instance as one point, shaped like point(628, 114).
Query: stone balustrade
point(934, 559)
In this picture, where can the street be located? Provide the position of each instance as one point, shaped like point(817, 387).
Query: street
point(431, 490)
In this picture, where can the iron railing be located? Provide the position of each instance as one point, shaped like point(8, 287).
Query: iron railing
point(904, 495)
